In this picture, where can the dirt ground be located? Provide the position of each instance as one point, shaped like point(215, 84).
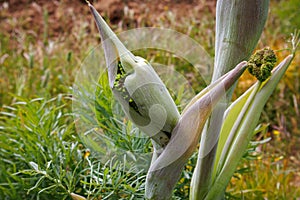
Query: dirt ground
point(61, 16)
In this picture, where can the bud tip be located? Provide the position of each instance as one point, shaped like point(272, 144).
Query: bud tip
point(88, 2)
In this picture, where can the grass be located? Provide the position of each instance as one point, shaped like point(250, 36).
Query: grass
point(39, 150)
point(42, 154)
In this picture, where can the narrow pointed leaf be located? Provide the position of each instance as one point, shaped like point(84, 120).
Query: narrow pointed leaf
point(235, 72)
point(230, 119)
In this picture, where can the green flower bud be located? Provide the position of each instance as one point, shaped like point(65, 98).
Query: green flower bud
point(143, 96)
point(261, 63)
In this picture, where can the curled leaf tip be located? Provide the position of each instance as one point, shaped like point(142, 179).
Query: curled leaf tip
point(261, 63)
point(88, 2)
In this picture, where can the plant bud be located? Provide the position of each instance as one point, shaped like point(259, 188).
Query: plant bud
point(143, 96)
point(261, 63)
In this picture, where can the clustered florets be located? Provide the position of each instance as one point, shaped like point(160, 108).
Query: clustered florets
point(261, 63)
point(120, 87)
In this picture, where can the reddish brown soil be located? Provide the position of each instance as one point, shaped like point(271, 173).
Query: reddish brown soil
point(61, 16)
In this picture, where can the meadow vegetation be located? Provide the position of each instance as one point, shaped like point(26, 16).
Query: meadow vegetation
point(42, 156)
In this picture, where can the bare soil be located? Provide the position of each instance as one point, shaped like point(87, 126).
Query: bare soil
point(58, 17)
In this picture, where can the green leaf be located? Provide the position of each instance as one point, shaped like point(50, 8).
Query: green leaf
point(244, 126)
point(230, 118)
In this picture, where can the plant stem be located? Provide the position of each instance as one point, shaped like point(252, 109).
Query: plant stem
point(239, 25)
